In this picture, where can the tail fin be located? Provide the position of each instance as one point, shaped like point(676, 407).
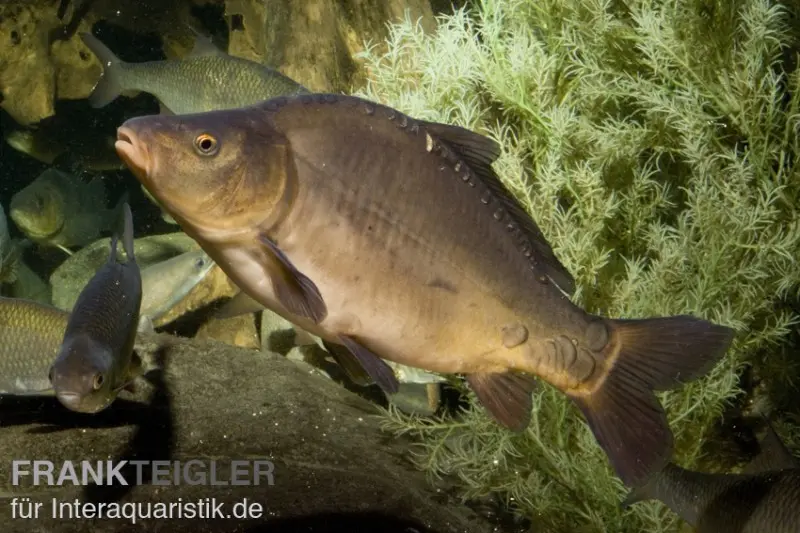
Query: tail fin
point(645, 356)
point(656, 487)
point(108, 88)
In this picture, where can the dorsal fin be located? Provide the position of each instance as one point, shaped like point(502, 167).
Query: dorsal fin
point(773, 455)
point(203, 45)
point(479, 153)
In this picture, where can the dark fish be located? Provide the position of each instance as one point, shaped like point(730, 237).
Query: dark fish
point(96, 358)
point(394, 238)
point(764, 499)
point(61, 210)
point(32, 333)
point(64, 147)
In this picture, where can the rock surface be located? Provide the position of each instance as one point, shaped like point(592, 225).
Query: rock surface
point(334, 470)
point(33, 71)
point(315, 42)
point(214, 286)
point(238, 331)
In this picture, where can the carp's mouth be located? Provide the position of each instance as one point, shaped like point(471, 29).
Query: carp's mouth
point(133, 153)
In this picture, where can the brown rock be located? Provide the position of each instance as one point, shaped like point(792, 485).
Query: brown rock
point(314, 42)
point(334, 469)
point(237, 331)
point(214, 286)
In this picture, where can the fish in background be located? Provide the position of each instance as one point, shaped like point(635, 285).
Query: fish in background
point(394, 238)
point(207, 79)
point(65, 148)
point(96, 358)
point(32, 333)
point(166, 283)
point(764, 498)
point(10, 252)
point(164, 215)
point(28, 285)
point(61, 210)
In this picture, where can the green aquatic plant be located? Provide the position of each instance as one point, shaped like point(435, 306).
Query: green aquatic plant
point(654, 142)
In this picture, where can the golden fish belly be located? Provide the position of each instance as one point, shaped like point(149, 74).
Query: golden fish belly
point(421, 305)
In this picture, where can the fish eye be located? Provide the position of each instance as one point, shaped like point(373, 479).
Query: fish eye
point(200, 263)
point(206, 144)
point(98, 380)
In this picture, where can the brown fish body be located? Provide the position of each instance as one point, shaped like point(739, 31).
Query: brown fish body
point(445, 307)
point(394, 237)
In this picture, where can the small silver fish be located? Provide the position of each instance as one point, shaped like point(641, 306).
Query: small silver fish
point(96, 358)
point(207, 79)
point(168, 282)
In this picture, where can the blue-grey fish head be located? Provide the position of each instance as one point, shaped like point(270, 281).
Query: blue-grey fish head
point(220, 171)
point(82, 375)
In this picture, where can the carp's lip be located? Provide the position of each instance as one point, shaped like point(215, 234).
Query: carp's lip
point(132, 152)
point(70, 400)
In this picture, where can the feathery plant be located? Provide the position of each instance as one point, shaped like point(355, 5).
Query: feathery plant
point(654, 142)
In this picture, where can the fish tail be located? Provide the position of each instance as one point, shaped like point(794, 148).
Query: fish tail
point(109, 87)
point(644, 356)
point(657, 487)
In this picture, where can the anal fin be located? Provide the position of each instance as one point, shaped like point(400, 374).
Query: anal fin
point(377, 369)
point(354, 370)
point(773, 455)
point(295, 291)
point(506, 396)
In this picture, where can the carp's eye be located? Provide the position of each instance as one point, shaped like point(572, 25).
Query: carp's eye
point(98, 380)
point(206, 144)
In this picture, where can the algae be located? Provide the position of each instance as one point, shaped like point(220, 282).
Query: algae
point(654, 142)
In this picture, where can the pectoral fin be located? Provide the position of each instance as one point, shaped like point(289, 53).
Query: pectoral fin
point(64, 249)
point(377, 369)
point(145, 325)
point(135, 370)
point(295, 291)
